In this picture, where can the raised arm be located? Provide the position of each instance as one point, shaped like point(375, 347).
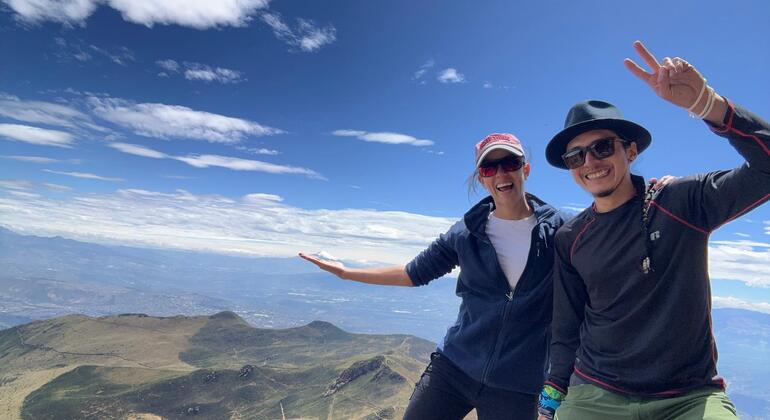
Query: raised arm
point(715, 197)
point(387, 276)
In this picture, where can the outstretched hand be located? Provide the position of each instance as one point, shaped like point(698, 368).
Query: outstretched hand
point(335, 268)
point(674, 80)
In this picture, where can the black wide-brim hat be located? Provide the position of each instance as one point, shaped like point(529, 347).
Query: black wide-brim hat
point(594, 115)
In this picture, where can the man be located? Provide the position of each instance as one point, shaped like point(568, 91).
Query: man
point(631, 331)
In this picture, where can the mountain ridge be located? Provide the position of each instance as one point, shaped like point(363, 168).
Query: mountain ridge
point(207, 366)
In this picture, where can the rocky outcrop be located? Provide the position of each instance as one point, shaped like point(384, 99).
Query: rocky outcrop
point(376, 365)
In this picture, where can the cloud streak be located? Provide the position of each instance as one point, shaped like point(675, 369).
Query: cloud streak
point(383, 137)
point(84, 175)
point(307, 36)
point(742, 260)
point(255, 224)
point(262, 223)
point(418, 75)
point(198, 71)
point(30, 159)
point(228, 162)
point(39, 112)
point(36, 135)
point(733, 302)
point(238, 164)
point(174, 121)
point(194, 14)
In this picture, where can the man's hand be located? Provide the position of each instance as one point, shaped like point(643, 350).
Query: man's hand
point(675, 80)
point(678, 82)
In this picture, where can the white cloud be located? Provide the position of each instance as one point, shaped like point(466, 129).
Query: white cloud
point(168, 65)
point(423, 69)
point(31, 159)
point(168, 121)
point(73, 11)
point(24, 194)
point(198, 71)
point(35, 135)
point(488, 85)
point(134, 149)
point(259, 151)
point(208, 74)
point(40, 112)
point(745, 261)
point(57, 187)
point(733, 302)
point(307, 36)
point(199, 14)
point(120, 55)
point(73, 48)
point(349, 133)
point(15, 184)
point(84, 175)
point(383, 137)
point(182, 220)
point(450, 75)
point(238, 164)
point(205, 161)
point(261, 197)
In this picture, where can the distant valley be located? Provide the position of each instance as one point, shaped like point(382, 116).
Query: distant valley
point(44, 278)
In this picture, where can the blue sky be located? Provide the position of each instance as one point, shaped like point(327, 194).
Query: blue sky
point(268, 128)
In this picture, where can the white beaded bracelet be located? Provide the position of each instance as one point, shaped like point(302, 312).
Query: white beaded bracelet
point(700, 95)
point(709, 105)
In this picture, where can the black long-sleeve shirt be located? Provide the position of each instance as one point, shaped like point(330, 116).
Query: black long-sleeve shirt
point(650, 334)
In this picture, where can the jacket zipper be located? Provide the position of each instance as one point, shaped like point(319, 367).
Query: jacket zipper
point(509, 297)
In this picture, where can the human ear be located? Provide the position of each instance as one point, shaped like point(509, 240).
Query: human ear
point(632, 152)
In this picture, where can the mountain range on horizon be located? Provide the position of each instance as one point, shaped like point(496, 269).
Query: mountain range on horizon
point(45, 278)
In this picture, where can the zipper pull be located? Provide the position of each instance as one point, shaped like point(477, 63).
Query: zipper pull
point(509, 295)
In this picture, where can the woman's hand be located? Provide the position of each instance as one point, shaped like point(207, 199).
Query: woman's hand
point(336, 268)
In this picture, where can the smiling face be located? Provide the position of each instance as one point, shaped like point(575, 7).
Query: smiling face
point(506, 188)
point(603, 178)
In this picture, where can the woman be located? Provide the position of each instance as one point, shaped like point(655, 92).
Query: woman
point(494, 357)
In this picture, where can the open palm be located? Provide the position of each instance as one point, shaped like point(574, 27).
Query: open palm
point(335, 268)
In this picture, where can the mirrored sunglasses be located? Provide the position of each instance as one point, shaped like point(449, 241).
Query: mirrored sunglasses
point(600, 149)
point(508, 164)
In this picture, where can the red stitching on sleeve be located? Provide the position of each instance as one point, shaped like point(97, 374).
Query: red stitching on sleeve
point(572, 248)
point(678, 219)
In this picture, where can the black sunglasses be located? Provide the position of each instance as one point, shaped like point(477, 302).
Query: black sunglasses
point(509, 164)
point(600, 149)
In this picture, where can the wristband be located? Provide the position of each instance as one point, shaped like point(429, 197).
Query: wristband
point(700, 95)
point(550, 400)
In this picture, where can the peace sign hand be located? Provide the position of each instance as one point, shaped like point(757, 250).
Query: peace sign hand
point(676, 80)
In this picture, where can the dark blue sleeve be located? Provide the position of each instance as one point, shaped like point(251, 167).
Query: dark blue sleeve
point(438, 259)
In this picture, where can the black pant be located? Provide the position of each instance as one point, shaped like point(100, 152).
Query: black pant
point(444, 392)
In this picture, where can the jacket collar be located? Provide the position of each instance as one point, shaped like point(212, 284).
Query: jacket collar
point(476, 218)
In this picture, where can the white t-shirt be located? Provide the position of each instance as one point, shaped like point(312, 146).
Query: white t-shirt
point(511, 239)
